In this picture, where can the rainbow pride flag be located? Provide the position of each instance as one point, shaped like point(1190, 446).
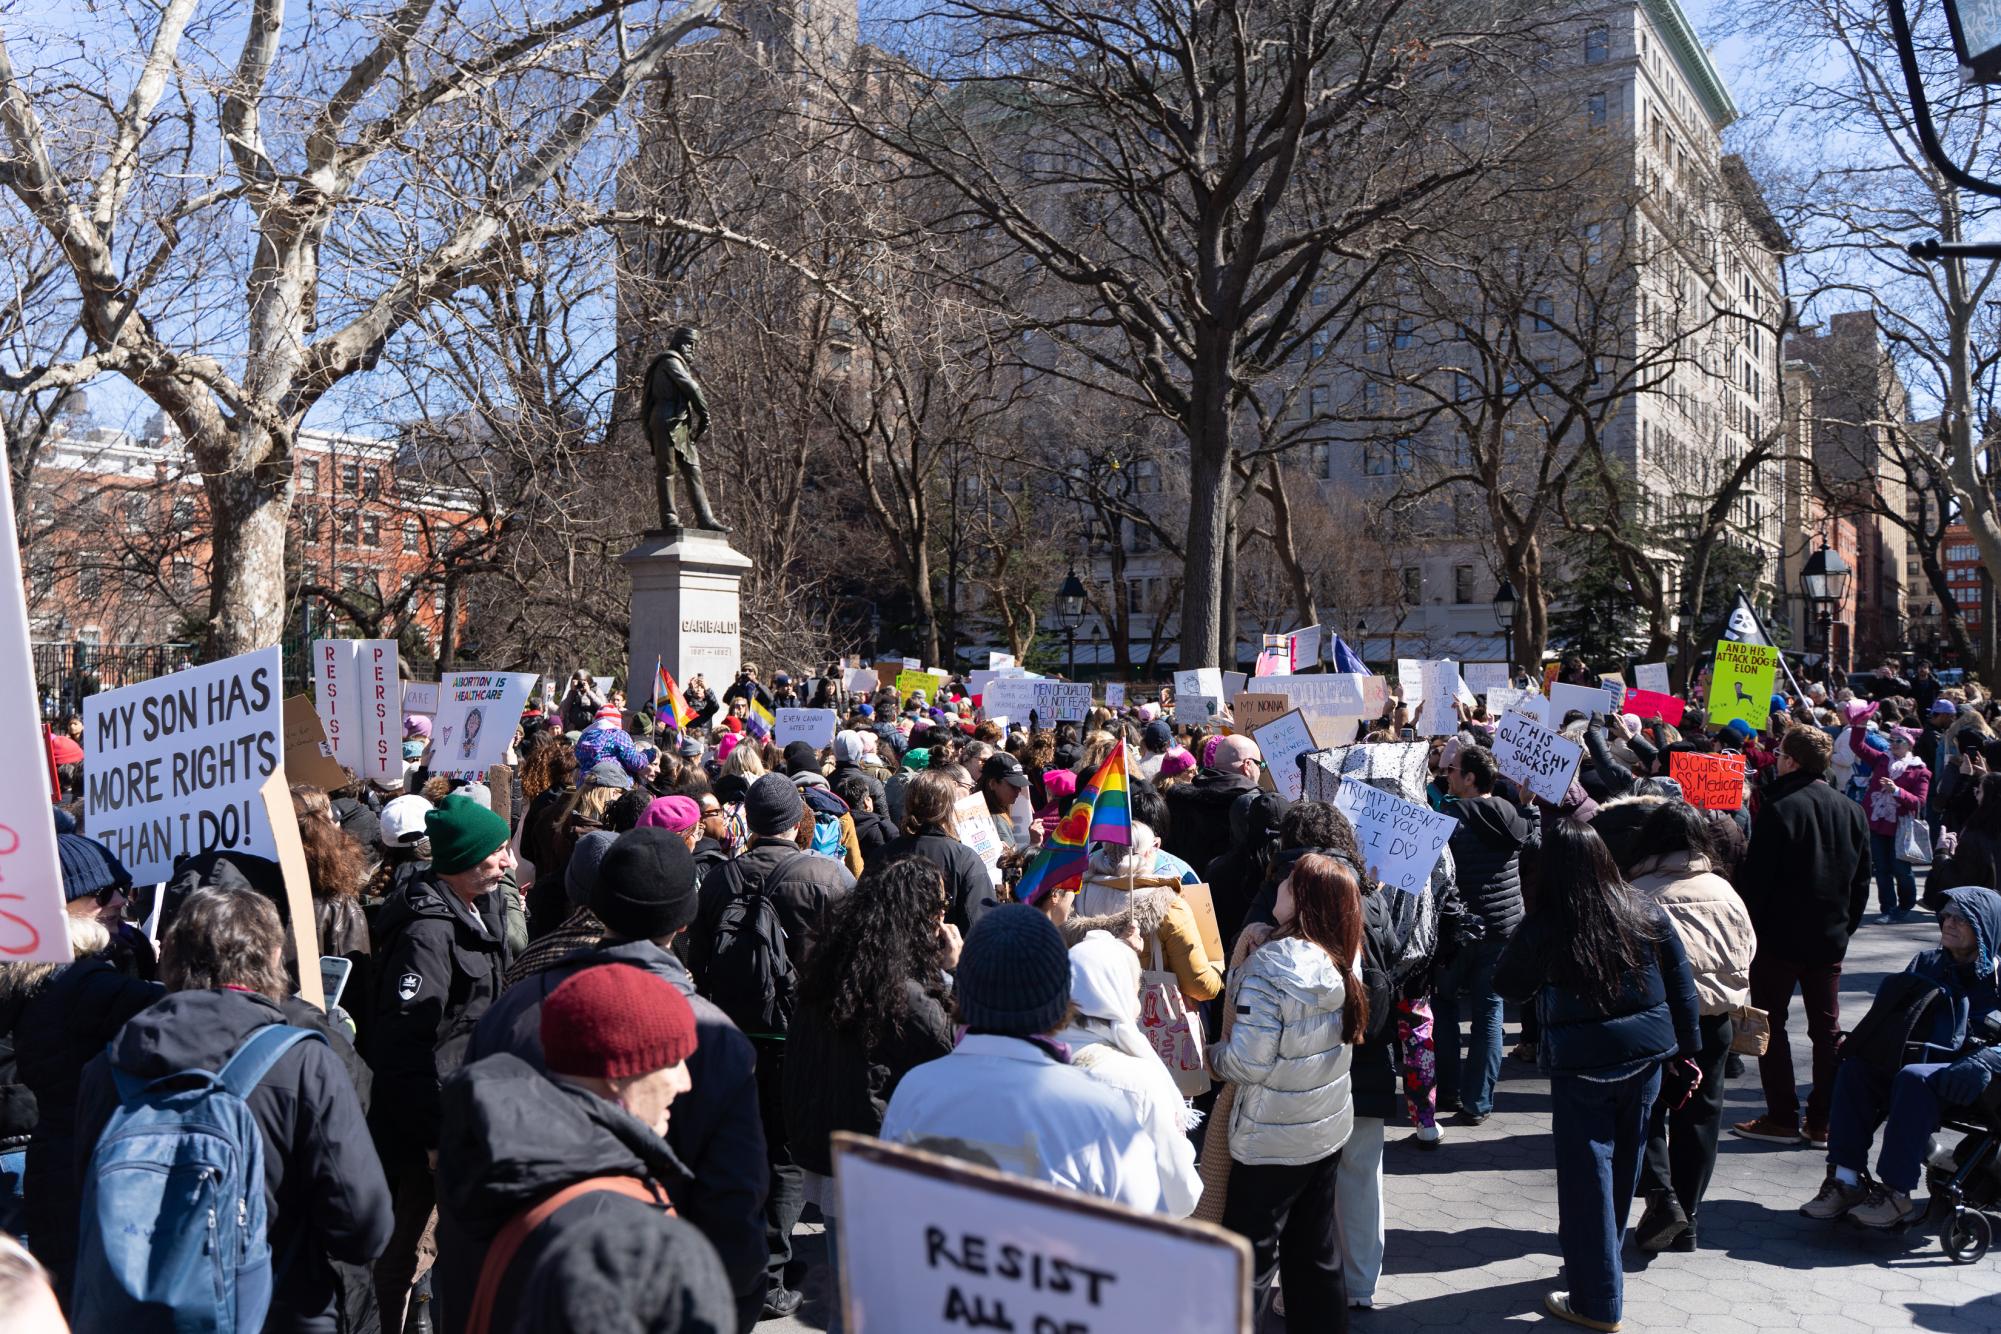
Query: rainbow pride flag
point(666, 692)
point(1102, 810)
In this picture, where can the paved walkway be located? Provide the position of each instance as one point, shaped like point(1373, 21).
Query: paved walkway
point(1472, 1228)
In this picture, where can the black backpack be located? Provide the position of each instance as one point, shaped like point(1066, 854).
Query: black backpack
point(737, 955)
point(1888, 1038)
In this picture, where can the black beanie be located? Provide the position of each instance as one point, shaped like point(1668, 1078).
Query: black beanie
point(646, 885)
point(773, 806)
point(801, 757)
point(1014, 973)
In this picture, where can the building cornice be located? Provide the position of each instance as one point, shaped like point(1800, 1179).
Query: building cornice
point(1696, 67)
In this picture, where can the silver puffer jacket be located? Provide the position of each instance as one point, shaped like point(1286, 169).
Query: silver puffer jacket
point(1286, 1057)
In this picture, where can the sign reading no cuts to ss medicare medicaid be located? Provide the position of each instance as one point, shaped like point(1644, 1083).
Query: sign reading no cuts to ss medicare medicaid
point(931, 1244)
point(176, 763)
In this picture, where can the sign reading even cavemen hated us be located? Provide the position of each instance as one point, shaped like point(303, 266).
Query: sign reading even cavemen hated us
point(1708, 782)
point(816, 727)
point(1740, 685)
point(477, 715)
point(933, 1243)
point(1539, 759)
point(1400, 840)
point(176, 763)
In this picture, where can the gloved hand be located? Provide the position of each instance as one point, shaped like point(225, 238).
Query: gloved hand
point(1962, 1082)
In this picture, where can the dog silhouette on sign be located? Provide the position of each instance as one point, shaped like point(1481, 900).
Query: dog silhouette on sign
point(1741, 694)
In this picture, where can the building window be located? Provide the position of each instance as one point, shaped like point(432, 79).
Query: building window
point(1462, 584)
point(1372, 336)
point(350, 528)
point(1597, 45)
point(1594, 110)
point(184, 515)
point(1322, 461)
point(371, 484)
point(89, 581)
point(1413, 585)
point(350, 477)
point(371, 530)
point(1544, 310)
point(411, 536)
point(136, 514)
point(309, 523)
point(183, 576)
point(1406, 334)
point(309, 475)
point(1316, 400)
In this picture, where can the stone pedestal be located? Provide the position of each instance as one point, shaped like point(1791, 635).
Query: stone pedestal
point(684, 609)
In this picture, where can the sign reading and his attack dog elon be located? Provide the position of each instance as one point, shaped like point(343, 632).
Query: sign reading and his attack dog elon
point(176, 762)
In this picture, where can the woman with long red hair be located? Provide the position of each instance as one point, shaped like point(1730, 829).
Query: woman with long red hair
point(1297, 1007)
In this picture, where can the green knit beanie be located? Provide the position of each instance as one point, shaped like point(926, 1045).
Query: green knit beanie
point(463, 834)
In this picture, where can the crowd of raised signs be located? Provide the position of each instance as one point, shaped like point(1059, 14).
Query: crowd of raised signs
point(595, 1016)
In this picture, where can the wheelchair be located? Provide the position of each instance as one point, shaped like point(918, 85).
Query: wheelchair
point(1965, 1181)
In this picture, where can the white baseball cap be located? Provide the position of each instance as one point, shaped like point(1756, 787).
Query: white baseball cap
point(403, 820)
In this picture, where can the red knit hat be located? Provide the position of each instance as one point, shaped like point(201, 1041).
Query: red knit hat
point(615, 1021)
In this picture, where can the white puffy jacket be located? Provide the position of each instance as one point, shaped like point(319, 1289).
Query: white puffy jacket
point(1286, 1057)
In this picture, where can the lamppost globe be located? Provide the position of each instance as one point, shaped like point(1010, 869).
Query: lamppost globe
point(1070, 602)
point(1824, 583)
point(1506, 603)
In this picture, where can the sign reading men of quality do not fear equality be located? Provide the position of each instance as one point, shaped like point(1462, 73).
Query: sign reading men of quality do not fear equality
point(176, 763)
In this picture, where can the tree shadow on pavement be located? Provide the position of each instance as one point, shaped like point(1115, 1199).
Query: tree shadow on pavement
point(1980, 1316)
point(1416, 1251)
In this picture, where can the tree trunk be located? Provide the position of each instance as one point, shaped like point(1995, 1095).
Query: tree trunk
point(248, 506)
point(1208, 529)
point(1226, 619)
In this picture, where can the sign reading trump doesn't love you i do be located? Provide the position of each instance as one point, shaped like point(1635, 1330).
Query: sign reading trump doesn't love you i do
point(176, 763)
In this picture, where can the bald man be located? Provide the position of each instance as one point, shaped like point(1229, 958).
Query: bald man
point(1198, 831)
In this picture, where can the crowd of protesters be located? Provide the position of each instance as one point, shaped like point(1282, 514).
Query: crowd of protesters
point(602, 1015)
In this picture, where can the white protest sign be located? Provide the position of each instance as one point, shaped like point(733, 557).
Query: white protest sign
point(31, 878)
point(476, 720)
point(1652, 676)
point(1375, 694)
point(1407, 762)
point(176, 763)
point(603, 683)
point(378, 704)
point(913, 664)
point(1410, 675)
point(1511, 700)
point(1481, 677)
point(1441, 687)
point(977, 682)
point(932, 1243)
point(861, 680)
point(1586, 700)
point(1337, 695)
point(1115, 695)
point(1192, 688)
point(1052, 701)
point(976, 828)
point(1281, 742)
point(1305, 646)
point(420, 697)
point(1615, 686)
point(996, 661)
point(816, 727)
point(1538, 758)
point(334, 692)
point(1400, 840)
point(1233, 684)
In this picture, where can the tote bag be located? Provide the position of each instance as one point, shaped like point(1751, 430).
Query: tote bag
point(1172, 1027)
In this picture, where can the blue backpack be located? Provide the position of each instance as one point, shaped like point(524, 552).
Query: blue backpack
point(174, 1212)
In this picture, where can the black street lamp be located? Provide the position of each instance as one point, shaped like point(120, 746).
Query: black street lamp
point(1505, 606)
point(1070, 614)
point(1824, 580)
point(1976, 40)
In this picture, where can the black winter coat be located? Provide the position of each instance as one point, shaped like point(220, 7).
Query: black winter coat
point(715, 1131)
point(833, 1083)
point(969, 889)
point(1376, 1064)
point(60, 1028)
point(1198, 815)
point(329, 1199)
point(1487, 852)
point(844, 767)
point(438, 966)
point(1654, 1017)
point(874, 833)
point(511, 1137)
point(1805, 876)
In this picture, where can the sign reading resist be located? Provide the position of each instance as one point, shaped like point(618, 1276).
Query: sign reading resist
point(1400, 840)
point(176, 763)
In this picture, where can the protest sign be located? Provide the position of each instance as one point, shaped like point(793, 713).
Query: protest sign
point(976, 828)
point(1115, 695)
point(1407, 762)
point(1282, 741)
point(1540, 759)
point(935, 1243)
point(1202, 904)
point(274, 801)
point(420, 697)
point(476, 721)
point(1612, 682)
point(910, 679)
point(1375, 694)
point(176, 762)
point(1649, 704)
point(886, 672)
point(378, 704)
point(1740, 685)
point(1052, 702)
point(1441, 687)
point(816, 727)
point(860, 680)
point(1198, 695)
point(1651, 676)
point(1708, 782)
point(1251, 711)
point(31, 879)
point(1233, 685)
point(996, 661)
point(913, 664)
point(1336, 695)
point(306, 757)
point(1480, 677)
point(977, 682)
point(1586, 700)
point(1410, 675)
point(334, 698)
point(1400, 840)
point(1508, 700)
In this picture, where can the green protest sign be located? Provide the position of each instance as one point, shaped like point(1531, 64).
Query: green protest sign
point(1740, 685)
